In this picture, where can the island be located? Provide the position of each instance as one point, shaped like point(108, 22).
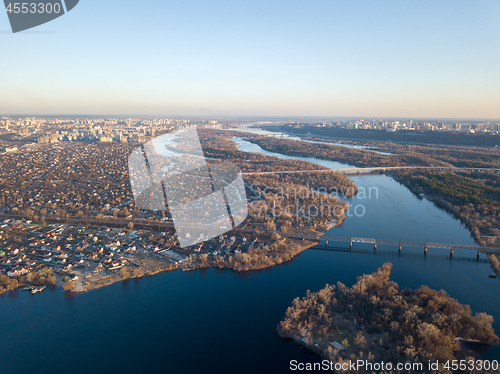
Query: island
point(375, 321)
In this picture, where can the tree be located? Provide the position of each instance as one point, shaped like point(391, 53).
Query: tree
point(270, 226)
point(360, 339)
point(275, 236)
point(30, 277)
point(69, 285)
point(51, 279)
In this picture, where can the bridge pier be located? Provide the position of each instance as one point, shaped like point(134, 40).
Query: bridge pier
point(425, 245)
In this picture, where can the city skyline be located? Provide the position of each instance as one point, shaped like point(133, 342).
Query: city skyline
point(285, 59)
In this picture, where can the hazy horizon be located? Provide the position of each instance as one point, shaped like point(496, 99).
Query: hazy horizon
point(244, 118)
point(293, 58)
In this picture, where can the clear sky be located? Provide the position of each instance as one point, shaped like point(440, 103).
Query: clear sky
point(367, 58)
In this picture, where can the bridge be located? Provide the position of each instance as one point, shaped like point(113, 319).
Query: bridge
point(377, 169)
point(250, 128)
point(400, 244)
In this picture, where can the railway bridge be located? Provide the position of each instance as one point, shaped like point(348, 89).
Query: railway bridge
point(323, 241)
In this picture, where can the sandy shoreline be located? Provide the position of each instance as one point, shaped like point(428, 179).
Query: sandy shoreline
point(114, 278)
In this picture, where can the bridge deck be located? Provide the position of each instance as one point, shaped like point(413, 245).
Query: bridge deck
point(494, 250)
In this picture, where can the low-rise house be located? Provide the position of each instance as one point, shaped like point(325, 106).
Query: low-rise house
point(15, 272)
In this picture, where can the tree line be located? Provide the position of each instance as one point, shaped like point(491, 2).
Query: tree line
point(472, 197)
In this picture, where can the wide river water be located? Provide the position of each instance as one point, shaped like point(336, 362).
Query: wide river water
point(220, 321)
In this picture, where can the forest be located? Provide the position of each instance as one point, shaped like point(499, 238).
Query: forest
point(397, 154)
point(445, 155)
point(350, 156)
point(374, 320)
point(421, 137)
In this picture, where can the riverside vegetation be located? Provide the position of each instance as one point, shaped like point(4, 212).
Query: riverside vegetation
point(397, 154)
point(437, 138)
point(495, 263)
point(42, 276)
point(374, 320)
point(473, 197)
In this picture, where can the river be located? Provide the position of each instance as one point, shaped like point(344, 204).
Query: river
point(279, 134)
point(220, 321)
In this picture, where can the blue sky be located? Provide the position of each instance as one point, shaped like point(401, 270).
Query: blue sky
point(373, 58)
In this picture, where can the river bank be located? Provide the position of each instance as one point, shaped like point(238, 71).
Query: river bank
point(287, 250)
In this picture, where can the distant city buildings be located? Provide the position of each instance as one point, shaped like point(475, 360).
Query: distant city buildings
point(28, 131)
point(410, 125)
point(106, 130)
